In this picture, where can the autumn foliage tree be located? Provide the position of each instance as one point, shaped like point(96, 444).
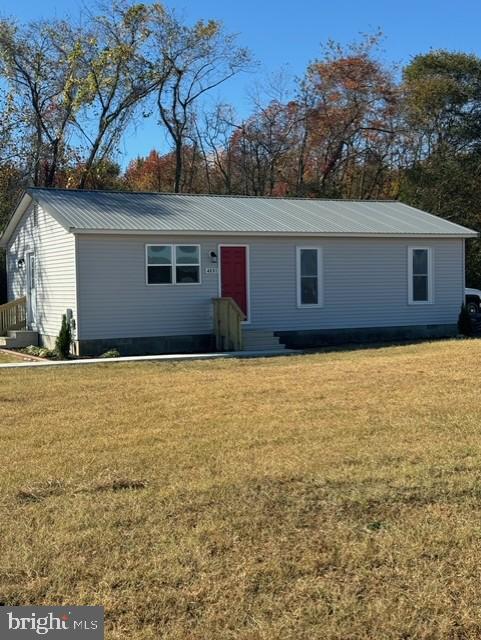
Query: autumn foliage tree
point(349, 127)
point(351, 105)
point(155, 172)
point(338, 137)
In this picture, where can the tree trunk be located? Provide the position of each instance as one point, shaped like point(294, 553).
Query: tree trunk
point(52, 170)
point(301, 165)
point(37, 157)
point(178, 167)
point(89, 164)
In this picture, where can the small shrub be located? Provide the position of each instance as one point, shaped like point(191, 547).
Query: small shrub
point(31, 350)
point(111, 353)
point(465, 324)
point(64, 340)
point(40, 352)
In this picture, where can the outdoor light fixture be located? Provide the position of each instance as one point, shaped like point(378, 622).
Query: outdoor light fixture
point(213, 257)
point(21, 264)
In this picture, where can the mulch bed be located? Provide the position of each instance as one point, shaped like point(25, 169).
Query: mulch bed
point(20, 355)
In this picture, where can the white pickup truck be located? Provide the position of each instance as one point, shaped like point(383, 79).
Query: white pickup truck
point(472, 298)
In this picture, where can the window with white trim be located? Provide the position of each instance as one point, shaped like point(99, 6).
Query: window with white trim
point(420, 283)
point(173, 263)
point(309, 277)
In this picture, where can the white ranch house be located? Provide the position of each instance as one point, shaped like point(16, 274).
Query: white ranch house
point(159, 273)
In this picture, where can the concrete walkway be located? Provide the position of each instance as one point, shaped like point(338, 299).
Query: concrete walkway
point(176, 357)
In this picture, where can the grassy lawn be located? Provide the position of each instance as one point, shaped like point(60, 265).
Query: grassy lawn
point(330, 496)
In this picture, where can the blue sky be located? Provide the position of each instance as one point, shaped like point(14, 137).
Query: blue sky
point(288, 34)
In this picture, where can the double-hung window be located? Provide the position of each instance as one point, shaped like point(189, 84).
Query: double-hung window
point(173, 263)
point(420, 275)
point(309, 276)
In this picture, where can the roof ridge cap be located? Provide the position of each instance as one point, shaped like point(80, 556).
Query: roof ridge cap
point(208, 195)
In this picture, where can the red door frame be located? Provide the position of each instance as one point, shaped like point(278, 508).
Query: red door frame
point(248, 291)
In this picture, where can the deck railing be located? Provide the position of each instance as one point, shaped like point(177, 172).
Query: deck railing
point(227, 324)
point(13, 315)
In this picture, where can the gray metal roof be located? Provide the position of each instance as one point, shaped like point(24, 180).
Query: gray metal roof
point(123, 212)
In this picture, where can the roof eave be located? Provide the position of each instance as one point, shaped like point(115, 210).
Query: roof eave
point(276, 234)
point(23, 204)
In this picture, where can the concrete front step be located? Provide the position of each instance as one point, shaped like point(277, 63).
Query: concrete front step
point(267, 343)
point(260, 340)
point(265, 335)
point(19, 339)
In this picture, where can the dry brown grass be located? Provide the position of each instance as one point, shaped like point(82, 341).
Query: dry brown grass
point(333, 496)
point(8, 357)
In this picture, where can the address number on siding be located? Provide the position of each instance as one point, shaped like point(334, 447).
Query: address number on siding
point(211, 270)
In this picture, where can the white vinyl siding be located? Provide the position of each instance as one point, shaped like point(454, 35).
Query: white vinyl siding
point(54, 250)
point(364, 284)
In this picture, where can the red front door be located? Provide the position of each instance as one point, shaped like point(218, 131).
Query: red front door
point(233, 275)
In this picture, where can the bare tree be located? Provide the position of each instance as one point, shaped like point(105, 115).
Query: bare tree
point(215, 135)
point(191, 61)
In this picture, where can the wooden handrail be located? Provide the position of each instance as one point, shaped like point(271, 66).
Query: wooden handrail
point(13, 315)
point(227, 324)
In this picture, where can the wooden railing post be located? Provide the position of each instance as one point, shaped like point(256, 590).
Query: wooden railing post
point(227, 324)
point(13, 315)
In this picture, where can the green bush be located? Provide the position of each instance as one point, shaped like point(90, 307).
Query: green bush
point(64, 340)
point(465, 325)
point(40, 352)
point(111, 353)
